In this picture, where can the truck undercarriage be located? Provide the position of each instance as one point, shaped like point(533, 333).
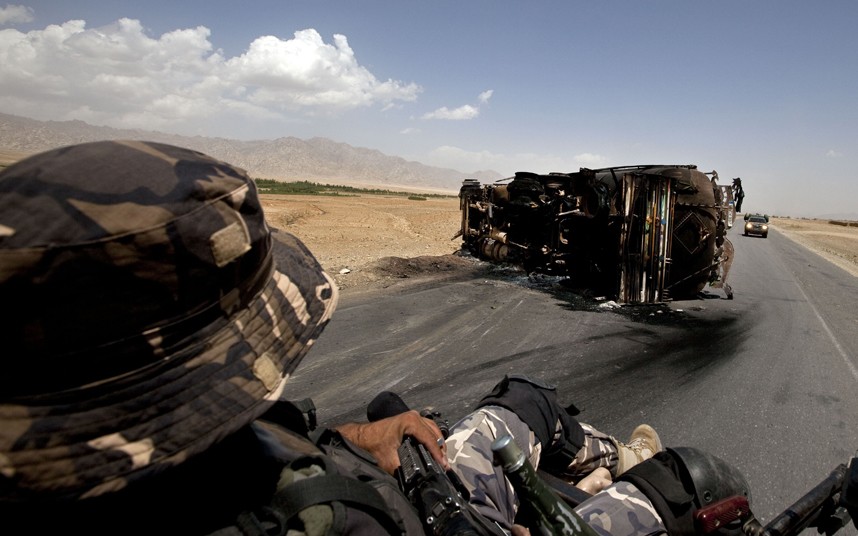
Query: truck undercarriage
point(640, 234)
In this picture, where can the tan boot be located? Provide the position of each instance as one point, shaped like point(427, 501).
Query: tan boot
point(642, 445)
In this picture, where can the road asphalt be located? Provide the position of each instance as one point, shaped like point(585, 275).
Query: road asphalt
point(766, 380)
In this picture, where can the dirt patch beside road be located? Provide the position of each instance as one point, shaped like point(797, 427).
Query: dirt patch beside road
point(837, 243)
point(372, 240)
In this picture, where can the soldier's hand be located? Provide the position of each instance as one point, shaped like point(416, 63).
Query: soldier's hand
point(382, 438)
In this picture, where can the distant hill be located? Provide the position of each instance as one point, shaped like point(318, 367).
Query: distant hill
point(286, 159)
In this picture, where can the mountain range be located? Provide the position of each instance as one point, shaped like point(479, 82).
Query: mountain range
point(287, 159)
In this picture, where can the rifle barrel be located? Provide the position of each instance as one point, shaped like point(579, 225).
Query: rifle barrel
point(806, 510)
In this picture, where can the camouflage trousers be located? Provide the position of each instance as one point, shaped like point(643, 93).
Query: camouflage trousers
point(620, 510)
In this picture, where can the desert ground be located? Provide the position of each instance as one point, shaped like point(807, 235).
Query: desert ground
point(372, 240)
point(837, 243)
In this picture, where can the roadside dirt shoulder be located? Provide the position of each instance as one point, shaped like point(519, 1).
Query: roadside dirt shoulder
point(373, 240)
point(837, 243)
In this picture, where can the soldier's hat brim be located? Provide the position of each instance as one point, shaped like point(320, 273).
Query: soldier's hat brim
point(148, 313)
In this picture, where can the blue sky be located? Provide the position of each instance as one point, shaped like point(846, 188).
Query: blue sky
point(763, 90)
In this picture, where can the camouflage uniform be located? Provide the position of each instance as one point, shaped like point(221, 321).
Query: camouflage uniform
point(621, 510)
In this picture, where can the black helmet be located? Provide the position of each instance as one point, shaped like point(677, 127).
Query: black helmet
point(680, 481)
point(712, 478)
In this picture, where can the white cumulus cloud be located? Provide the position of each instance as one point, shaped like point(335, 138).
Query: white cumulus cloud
point(307, 72)
point(457, 114)
point(833, 154)
point(461, 113)
point(590, 160)
point(15, 14)
point(118, 75)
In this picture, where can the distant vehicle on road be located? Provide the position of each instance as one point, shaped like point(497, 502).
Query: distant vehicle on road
point(757, 225)
point(765, 216)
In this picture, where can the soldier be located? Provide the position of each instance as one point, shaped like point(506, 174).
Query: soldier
point(150, 321)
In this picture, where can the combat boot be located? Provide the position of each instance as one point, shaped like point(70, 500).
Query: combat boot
point(643, 444)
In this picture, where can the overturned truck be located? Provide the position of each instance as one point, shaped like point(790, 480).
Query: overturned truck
point(639, 234)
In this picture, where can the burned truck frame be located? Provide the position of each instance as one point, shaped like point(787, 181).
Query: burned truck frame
point(639, 234)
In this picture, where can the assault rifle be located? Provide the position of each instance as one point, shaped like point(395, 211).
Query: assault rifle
point(439, 496)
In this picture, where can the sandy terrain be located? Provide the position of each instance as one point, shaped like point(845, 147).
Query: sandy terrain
point(838, 244)
point(374, 240)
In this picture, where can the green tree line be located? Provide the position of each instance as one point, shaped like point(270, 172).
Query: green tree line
point(270, 186)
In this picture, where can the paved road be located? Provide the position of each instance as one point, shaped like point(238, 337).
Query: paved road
point(767, 380)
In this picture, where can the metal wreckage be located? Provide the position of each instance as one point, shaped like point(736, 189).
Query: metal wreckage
point(639, 234)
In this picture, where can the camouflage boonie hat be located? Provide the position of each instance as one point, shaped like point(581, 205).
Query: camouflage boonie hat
point(147, 312)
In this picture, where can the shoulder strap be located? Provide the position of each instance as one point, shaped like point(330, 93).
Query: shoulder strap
point(299, 495)
point(330, 488)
